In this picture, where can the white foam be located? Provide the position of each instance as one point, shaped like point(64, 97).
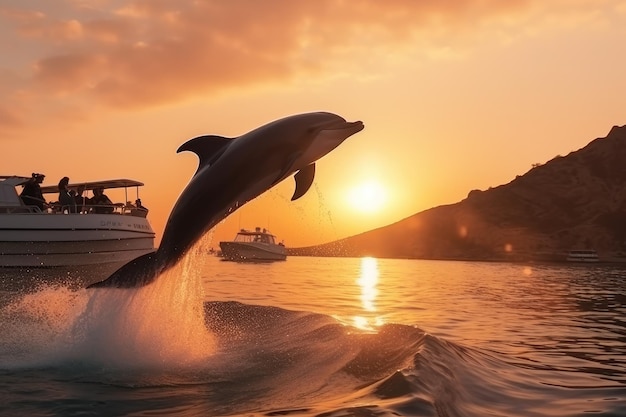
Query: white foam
point(159, 326)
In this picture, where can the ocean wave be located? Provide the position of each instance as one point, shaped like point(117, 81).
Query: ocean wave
point(252, 360)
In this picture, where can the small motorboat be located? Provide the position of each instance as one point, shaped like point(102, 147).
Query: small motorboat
point(257, 245)
point(583, 255)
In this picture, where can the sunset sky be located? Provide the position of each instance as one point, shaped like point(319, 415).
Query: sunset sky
point(455, 95)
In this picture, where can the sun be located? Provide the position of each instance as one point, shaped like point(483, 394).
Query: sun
point(367, 197)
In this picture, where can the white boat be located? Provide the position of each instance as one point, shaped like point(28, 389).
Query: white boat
point(253, 246)
point(582, 255)
point(31, 237)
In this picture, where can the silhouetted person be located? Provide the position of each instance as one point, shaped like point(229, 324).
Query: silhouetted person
point(80, 199)
point(66, 200)
point(139, 205)
point(102, 204)
point(31, 194)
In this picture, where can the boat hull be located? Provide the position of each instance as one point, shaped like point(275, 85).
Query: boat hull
point(252, 252)
point(58, 240)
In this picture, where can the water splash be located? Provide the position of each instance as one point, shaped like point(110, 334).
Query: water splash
point(35, 323)
point(159, 326)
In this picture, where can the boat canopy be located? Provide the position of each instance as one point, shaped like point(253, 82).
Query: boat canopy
point(13, 179)
point(91, 185)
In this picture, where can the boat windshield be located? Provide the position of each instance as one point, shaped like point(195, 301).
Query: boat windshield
point(249, 237)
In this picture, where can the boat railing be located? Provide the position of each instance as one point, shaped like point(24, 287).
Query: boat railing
point(55, 208)
point(116, 208)
point(136, 212)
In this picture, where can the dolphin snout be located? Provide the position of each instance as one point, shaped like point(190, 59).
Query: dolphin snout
point(351, 127)
point(357, 126)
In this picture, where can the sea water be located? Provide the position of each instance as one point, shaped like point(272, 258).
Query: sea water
point(322, 337)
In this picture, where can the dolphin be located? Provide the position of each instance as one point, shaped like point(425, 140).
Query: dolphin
point(231, 172)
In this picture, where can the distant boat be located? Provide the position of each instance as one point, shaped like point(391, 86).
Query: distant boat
point(53, 237)
point(582, 255)
point(253, 246)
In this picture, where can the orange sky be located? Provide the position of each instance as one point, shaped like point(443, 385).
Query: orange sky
point(455, 95)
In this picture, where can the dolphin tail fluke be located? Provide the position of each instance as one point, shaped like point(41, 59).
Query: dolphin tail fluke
point(137, 273)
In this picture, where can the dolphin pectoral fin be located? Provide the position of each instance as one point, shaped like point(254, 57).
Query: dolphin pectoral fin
point(136, 273)
point(208, 148)
point(304, 179)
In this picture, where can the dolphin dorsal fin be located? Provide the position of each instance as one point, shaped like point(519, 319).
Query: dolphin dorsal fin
point(208, 148)
point(304, 179)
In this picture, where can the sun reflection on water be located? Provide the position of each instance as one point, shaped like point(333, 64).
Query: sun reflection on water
point(368, 281)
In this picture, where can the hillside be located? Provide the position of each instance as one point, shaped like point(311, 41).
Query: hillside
point(575, 201)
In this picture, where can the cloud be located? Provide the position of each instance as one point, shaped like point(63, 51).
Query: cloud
point(9, 119)
point(151, 52)
point(11, 106)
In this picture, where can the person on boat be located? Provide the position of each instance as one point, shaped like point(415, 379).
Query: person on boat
point(139, 205)
point(31, 194)
point(102, 204)
point(66, 200)
point(81, 200)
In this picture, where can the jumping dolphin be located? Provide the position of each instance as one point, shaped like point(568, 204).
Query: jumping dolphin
point(231, 172)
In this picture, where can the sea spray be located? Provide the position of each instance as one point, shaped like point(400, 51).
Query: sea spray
point(36, 324)
point(159, 326)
